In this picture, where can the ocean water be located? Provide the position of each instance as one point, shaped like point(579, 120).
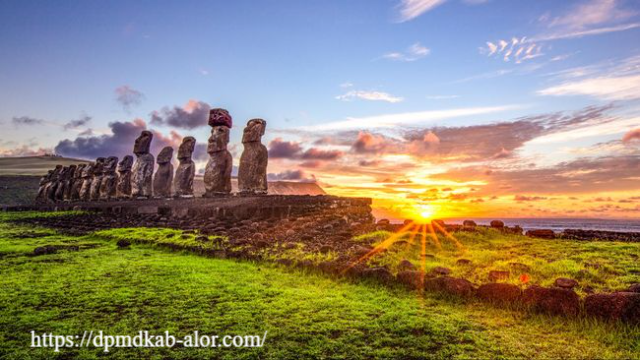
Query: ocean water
point(559, 224)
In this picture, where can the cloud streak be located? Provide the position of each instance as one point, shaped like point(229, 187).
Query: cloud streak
point(370, 96)
point(410, 9)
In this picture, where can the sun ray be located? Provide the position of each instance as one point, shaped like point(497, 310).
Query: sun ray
point(434, 236)
point(382, 246)
point(449, 236)
point(412, 236)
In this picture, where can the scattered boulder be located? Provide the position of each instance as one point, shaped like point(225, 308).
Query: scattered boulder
point(565, 283)
point(407, 222)
point(500, 293)
point(469, 224)
point(124, 243)
point(360, 250)
point(635, 288)
point(411, 279)
point(620, 306)
point(290, 232)
point(450, 285)
point(497, 224)
point(406, 265)
point(440, 270)
point(541, 234)
point(45, 250)
point(383, 222)
point(326, 248)
point(496, 275)
point(556, 301)
point(463, 262)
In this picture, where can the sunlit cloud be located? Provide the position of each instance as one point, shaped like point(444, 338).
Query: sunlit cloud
point(632, 135)
point(390, 120)
point(605, 88)
point(369, 95)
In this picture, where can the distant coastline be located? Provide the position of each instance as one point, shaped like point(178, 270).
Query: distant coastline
point(560, 224)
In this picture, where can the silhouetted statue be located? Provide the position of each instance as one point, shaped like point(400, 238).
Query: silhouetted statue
point(52, 186)
point(68, 182)
point(109, 179)
point(42, 186)
point(142, 172)
point(163, 178)
point(183, 181)
point(123, 188)
point(96, 182)
point(87, 179)
point(252, 174)
point(217, 174)
point(74, 194)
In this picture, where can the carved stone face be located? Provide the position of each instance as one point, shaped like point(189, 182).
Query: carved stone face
point(165, 155)
point(254, 130)
point(110, 164)
point(87, 171)
point(98, 167)
point(143, 143)
point(220, 117)
point(186, 148)
point(78, 172)
point(56, 172)
point(125, 164)
point(72, 171)
point(219, 139)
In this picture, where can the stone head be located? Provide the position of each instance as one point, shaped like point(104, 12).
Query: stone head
point(87, 171)
point(125, 164)
point(72, 171)
point(254, 130)
point(110, 164)
point(79, 170)
point(143, 143)
point(56, 172)
point(49, 174)
point(220, 117)
point(98, 167)
point(165, 155)
point(186, 148)
point(219, 139)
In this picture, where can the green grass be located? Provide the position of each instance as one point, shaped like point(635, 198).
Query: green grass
point(307, 315)
point(602, 265)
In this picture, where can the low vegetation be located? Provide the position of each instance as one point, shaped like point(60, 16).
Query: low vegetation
point(97, 285)
point(598, 265)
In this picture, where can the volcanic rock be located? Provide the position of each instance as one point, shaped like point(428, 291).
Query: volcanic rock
point(556, 301)
point(541, 233)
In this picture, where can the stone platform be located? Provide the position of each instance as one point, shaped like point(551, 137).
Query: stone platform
point(231, 207)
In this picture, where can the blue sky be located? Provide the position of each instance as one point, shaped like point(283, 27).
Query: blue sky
point(317, 69)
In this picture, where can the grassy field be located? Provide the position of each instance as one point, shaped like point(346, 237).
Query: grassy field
point(600, 265)
point(307, 315)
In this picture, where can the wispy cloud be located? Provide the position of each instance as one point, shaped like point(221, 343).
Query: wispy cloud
point(369, 95)
point(442, 97)
point(26, 120)
point(516, 49)
point(390, 120)
point(410, 9)
point(413, 53)
point(619, 80)
point(582, 33)
point(591, 13)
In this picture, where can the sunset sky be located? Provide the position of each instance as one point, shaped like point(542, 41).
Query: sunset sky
point(452, 108)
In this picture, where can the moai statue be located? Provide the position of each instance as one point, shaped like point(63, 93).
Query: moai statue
point(183, 181)
point(51, 188)
point(63, 177)
point(74, 194)
point(87, 180)
point(163, 178)
point(68, 184)
point(217, 174)
point(109, 179)
point(123, 188)
point(98, 170)
point(252, 174)
point(142, 172)
point(42, 185)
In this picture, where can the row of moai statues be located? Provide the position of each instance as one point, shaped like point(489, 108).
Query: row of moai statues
point(108, 179)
